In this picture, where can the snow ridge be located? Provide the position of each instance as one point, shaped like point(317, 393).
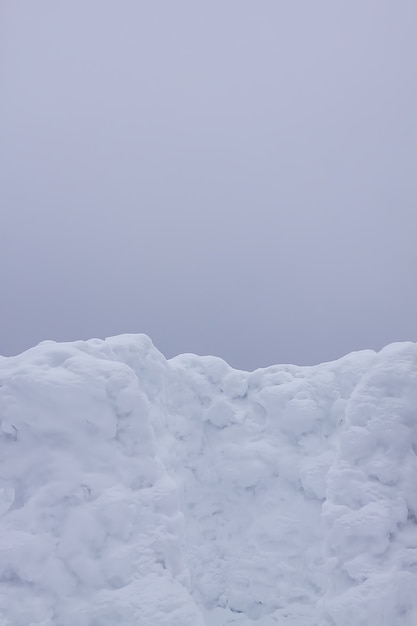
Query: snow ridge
point(137, 491)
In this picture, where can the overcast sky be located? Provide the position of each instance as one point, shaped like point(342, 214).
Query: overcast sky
point(231, 177)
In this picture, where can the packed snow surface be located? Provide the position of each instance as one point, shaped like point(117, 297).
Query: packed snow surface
point(136, 491)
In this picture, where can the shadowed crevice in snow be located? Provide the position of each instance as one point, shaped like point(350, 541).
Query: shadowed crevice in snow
point(136, 490)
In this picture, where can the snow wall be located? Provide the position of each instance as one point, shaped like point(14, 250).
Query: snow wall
point(136, 491)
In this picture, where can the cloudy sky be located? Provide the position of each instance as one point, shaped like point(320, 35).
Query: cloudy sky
point(231, 177)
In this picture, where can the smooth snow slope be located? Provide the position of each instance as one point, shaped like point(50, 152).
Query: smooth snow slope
point(136, 491)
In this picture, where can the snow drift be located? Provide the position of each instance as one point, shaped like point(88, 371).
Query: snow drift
point(136, 491)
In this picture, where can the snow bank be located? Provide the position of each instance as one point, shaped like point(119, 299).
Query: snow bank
point(370, 512)
point(139, 491)
point(91, 524)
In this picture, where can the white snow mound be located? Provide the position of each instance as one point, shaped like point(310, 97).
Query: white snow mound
point(136, 491)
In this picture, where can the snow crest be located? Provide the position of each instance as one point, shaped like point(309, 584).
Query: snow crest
point(138, 491)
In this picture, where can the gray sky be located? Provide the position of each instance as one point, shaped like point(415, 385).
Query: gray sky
point(231, 177)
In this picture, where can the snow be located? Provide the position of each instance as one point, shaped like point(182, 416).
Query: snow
point(140, 491)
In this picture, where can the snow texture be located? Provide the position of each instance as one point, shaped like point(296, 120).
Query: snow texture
point(136, 491)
